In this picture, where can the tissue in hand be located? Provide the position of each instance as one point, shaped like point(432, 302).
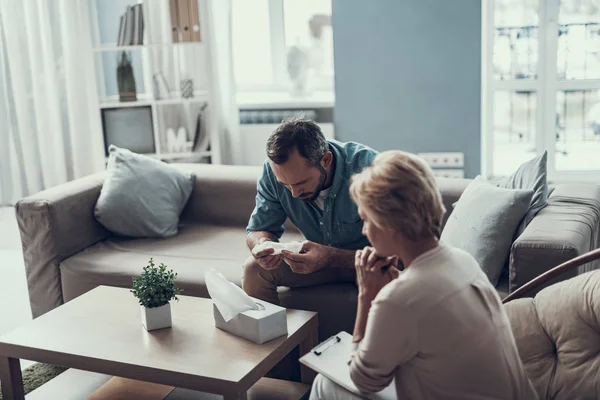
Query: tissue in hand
point(294, 247)
point(237, 313)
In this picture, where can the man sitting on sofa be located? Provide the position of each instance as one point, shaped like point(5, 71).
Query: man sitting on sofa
point(306, 179)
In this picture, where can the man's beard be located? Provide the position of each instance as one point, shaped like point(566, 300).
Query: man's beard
point(321, 184)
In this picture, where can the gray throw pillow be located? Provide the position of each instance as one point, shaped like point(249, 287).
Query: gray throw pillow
point(483, 224)
point(142, 196)
point(530, 175)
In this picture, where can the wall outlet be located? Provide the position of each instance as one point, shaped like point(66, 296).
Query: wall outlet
point(449, 173)
point(444, 160)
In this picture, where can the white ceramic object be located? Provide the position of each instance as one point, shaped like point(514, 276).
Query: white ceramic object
point(297, 66)
point(157, 317)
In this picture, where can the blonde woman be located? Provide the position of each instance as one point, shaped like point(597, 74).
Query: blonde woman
point(438, 328)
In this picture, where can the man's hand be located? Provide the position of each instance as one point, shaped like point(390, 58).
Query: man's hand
point(312, 257)
point(266, 259)
point(373, 272)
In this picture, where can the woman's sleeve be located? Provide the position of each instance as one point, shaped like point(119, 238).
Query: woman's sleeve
point(390, 340)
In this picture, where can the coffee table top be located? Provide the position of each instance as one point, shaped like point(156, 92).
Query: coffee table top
point(101, 331)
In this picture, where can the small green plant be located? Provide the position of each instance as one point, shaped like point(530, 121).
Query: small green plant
point(156, 286)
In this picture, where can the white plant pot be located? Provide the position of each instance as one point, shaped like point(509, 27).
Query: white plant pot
point(157, 317)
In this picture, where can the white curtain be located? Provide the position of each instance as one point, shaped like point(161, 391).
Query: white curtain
point(50, 129)
point(225, 109)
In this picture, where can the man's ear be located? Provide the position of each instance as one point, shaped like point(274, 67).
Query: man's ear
point(327, 159)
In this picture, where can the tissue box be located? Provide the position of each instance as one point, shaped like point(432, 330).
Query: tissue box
point(258, 326)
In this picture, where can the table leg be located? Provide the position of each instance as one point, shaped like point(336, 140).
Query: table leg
point(307, 375)
point(12, 381)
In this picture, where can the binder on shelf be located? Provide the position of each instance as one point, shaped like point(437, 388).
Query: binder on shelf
point(142, 24)
point(330, 359)
point(136, 22)
point(184, 21)
point(139, 25)
point(195, 20)
point(129, 22)
point(121, 31)
point(174, 21)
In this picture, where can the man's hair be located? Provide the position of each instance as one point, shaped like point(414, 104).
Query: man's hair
point(297, 133)
point(399, 192)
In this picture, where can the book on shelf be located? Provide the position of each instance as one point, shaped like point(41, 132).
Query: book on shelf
point(140, 31)
point(138, 24)
point(121, 31)
point(136, 14)
point(131, 27)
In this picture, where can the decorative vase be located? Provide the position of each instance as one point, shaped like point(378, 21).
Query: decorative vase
point(298, 68)
point(125, 78)
point(187, 88)
point(157, 317)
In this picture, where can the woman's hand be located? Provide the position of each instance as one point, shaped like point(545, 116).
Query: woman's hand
point(373, 272)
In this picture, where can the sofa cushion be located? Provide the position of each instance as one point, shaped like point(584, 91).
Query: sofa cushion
point(195, 250)
point(483, 224)
point(530, 175)
point(142, 196)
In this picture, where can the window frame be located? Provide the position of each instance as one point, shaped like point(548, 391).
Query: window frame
point(281, 81)
point(546, 86)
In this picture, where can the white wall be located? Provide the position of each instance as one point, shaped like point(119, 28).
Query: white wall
point(255, 136)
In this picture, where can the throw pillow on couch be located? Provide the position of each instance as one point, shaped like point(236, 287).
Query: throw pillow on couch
point(483, 223)
point(532, 175)
point(142, 196)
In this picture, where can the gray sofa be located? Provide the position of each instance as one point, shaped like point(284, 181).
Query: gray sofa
point(67, 252)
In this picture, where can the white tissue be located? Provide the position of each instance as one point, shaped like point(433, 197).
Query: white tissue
point(294, 247)
point(228, 297)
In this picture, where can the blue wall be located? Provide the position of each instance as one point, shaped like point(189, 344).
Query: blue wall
point(408, 75)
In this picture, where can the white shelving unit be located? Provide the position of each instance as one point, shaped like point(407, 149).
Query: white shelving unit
point(184, 59)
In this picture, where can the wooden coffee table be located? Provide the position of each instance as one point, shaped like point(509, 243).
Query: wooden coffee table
point(101, 331)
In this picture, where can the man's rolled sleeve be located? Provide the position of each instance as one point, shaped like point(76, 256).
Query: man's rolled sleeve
point(268, 214)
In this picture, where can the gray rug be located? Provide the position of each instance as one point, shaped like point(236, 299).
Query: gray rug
point(38, 374)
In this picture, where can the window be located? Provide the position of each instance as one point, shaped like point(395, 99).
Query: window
point(542, 86)
point(265, 30)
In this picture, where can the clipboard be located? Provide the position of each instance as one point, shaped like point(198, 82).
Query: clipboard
point(330, 358)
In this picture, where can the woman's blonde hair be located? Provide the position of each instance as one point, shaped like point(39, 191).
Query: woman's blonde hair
point(399, 191)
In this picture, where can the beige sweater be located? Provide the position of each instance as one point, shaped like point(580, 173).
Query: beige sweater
point(441, 331)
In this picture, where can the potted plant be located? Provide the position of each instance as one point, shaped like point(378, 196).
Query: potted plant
point(154, 289)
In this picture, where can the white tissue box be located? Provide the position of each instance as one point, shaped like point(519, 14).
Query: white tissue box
point(258, 326)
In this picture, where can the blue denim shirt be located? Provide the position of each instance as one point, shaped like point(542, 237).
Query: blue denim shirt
point(338, 225)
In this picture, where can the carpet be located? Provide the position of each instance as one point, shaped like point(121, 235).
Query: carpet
point(38, 374)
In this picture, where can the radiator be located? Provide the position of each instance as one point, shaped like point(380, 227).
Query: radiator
point(257, 126)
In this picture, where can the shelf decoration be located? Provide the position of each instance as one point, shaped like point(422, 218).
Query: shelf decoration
point(125, 78)
point(187, 88)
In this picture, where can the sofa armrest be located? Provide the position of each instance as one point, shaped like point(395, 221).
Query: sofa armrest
point(55, 224)
point(567, 227)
